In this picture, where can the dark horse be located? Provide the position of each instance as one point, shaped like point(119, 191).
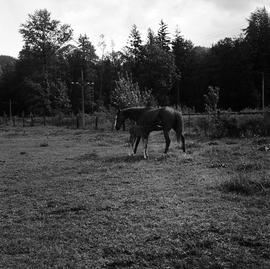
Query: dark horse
point(151, 119)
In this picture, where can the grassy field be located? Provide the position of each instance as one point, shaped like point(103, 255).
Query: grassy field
point(75, 199)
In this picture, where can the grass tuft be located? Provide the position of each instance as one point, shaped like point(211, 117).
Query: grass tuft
point(242, 184)
point(44, 144)
point(249, 166)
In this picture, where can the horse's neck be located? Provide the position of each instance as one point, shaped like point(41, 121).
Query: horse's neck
point(134, 113)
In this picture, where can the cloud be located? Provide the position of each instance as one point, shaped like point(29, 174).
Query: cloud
point(202, 21)
point(232, 5)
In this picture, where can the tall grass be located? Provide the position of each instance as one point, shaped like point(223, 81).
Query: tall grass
point(243, 184)
point(232, 126)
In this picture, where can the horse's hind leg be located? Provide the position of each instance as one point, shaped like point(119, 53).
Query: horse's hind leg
point(131, 147)
point(145, 142)
point(137, 141)
point(132, 140)
point(183, 143)
point(168, 140)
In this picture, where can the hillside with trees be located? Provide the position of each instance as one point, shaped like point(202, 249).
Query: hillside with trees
point(49, 73)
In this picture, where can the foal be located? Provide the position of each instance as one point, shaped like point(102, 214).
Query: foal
point(137, 132)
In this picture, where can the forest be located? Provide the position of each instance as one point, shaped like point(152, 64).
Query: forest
point(51, 71)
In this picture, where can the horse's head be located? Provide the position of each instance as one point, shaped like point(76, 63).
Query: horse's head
point(119, 119)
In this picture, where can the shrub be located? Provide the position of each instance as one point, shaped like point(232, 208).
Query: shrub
point(211, 99)
point(236, 126)
point(128, 94)
point(225, 126)
point(251, 125)
point(202, 125)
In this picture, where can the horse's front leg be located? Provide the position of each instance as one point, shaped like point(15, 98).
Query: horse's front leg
point(131, 144)
point(183, 143)
point(145, 142)
point(168, 140)
point(137, 141)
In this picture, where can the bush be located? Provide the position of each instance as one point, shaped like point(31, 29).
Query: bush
point(251, 125)
point(128, 94)
point(225, 126)
point(211, 99)
point(236, 126)
point(202, 125)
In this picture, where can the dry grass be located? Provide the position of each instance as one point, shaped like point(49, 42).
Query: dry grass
point(81, 202)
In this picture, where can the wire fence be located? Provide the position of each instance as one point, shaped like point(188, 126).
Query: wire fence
point(193, 122)
point(98, 121)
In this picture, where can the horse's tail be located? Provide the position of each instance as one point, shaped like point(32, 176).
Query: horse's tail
point(178, 125)
point(179, 129)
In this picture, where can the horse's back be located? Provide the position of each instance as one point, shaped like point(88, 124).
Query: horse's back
point(164, 116)
point(149, 116)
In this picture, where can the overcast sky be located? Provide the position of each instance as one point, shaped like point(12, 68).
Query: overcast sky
point(204, 22)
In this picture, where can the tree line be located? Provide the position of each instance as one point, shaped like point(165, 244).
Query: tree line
point(50, 71)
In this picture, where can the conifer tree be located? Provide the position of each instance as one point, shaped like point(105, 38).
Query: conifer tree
point(163, 36)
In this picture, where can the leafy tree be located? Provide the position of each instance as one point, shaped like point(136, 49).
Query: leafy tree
point(232, 71)
point(211, 99)
point(184, 57)
point(257, 34)
point(127, 93)
point(182, 50)
point(60, 99)
point(7, 81)
point(41, 77)
point(33, 96)
point(151, 38)
point(78, 61)
point(157, 71)
point(43, 37)
point(6, 62)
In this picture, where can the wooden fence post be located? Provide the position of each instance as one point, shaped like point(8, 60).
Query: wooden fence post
point(96, 123)
point(77, 121)
point(23, 120)
point(31, 119)
point(205, 127)
point(112, 124)
point(72, 120)
point(44, 119)
point(5, 118)
point(189, 123)
point(218, 114)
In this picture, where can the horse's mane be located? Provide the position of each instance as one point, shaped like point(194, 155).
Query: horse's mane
point(134, 113)
point(137, 108)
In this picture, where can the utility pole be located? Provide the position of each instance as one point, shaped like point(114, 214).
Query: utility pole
point(178, 90)
point(81, 48)
point(177, 97)
point(92, 95)
point(263, 91)
point(82, 86)
point(10, 110)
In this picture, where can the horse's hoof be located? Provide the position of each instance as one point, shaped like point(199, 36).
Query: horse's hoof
point(145, 156)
